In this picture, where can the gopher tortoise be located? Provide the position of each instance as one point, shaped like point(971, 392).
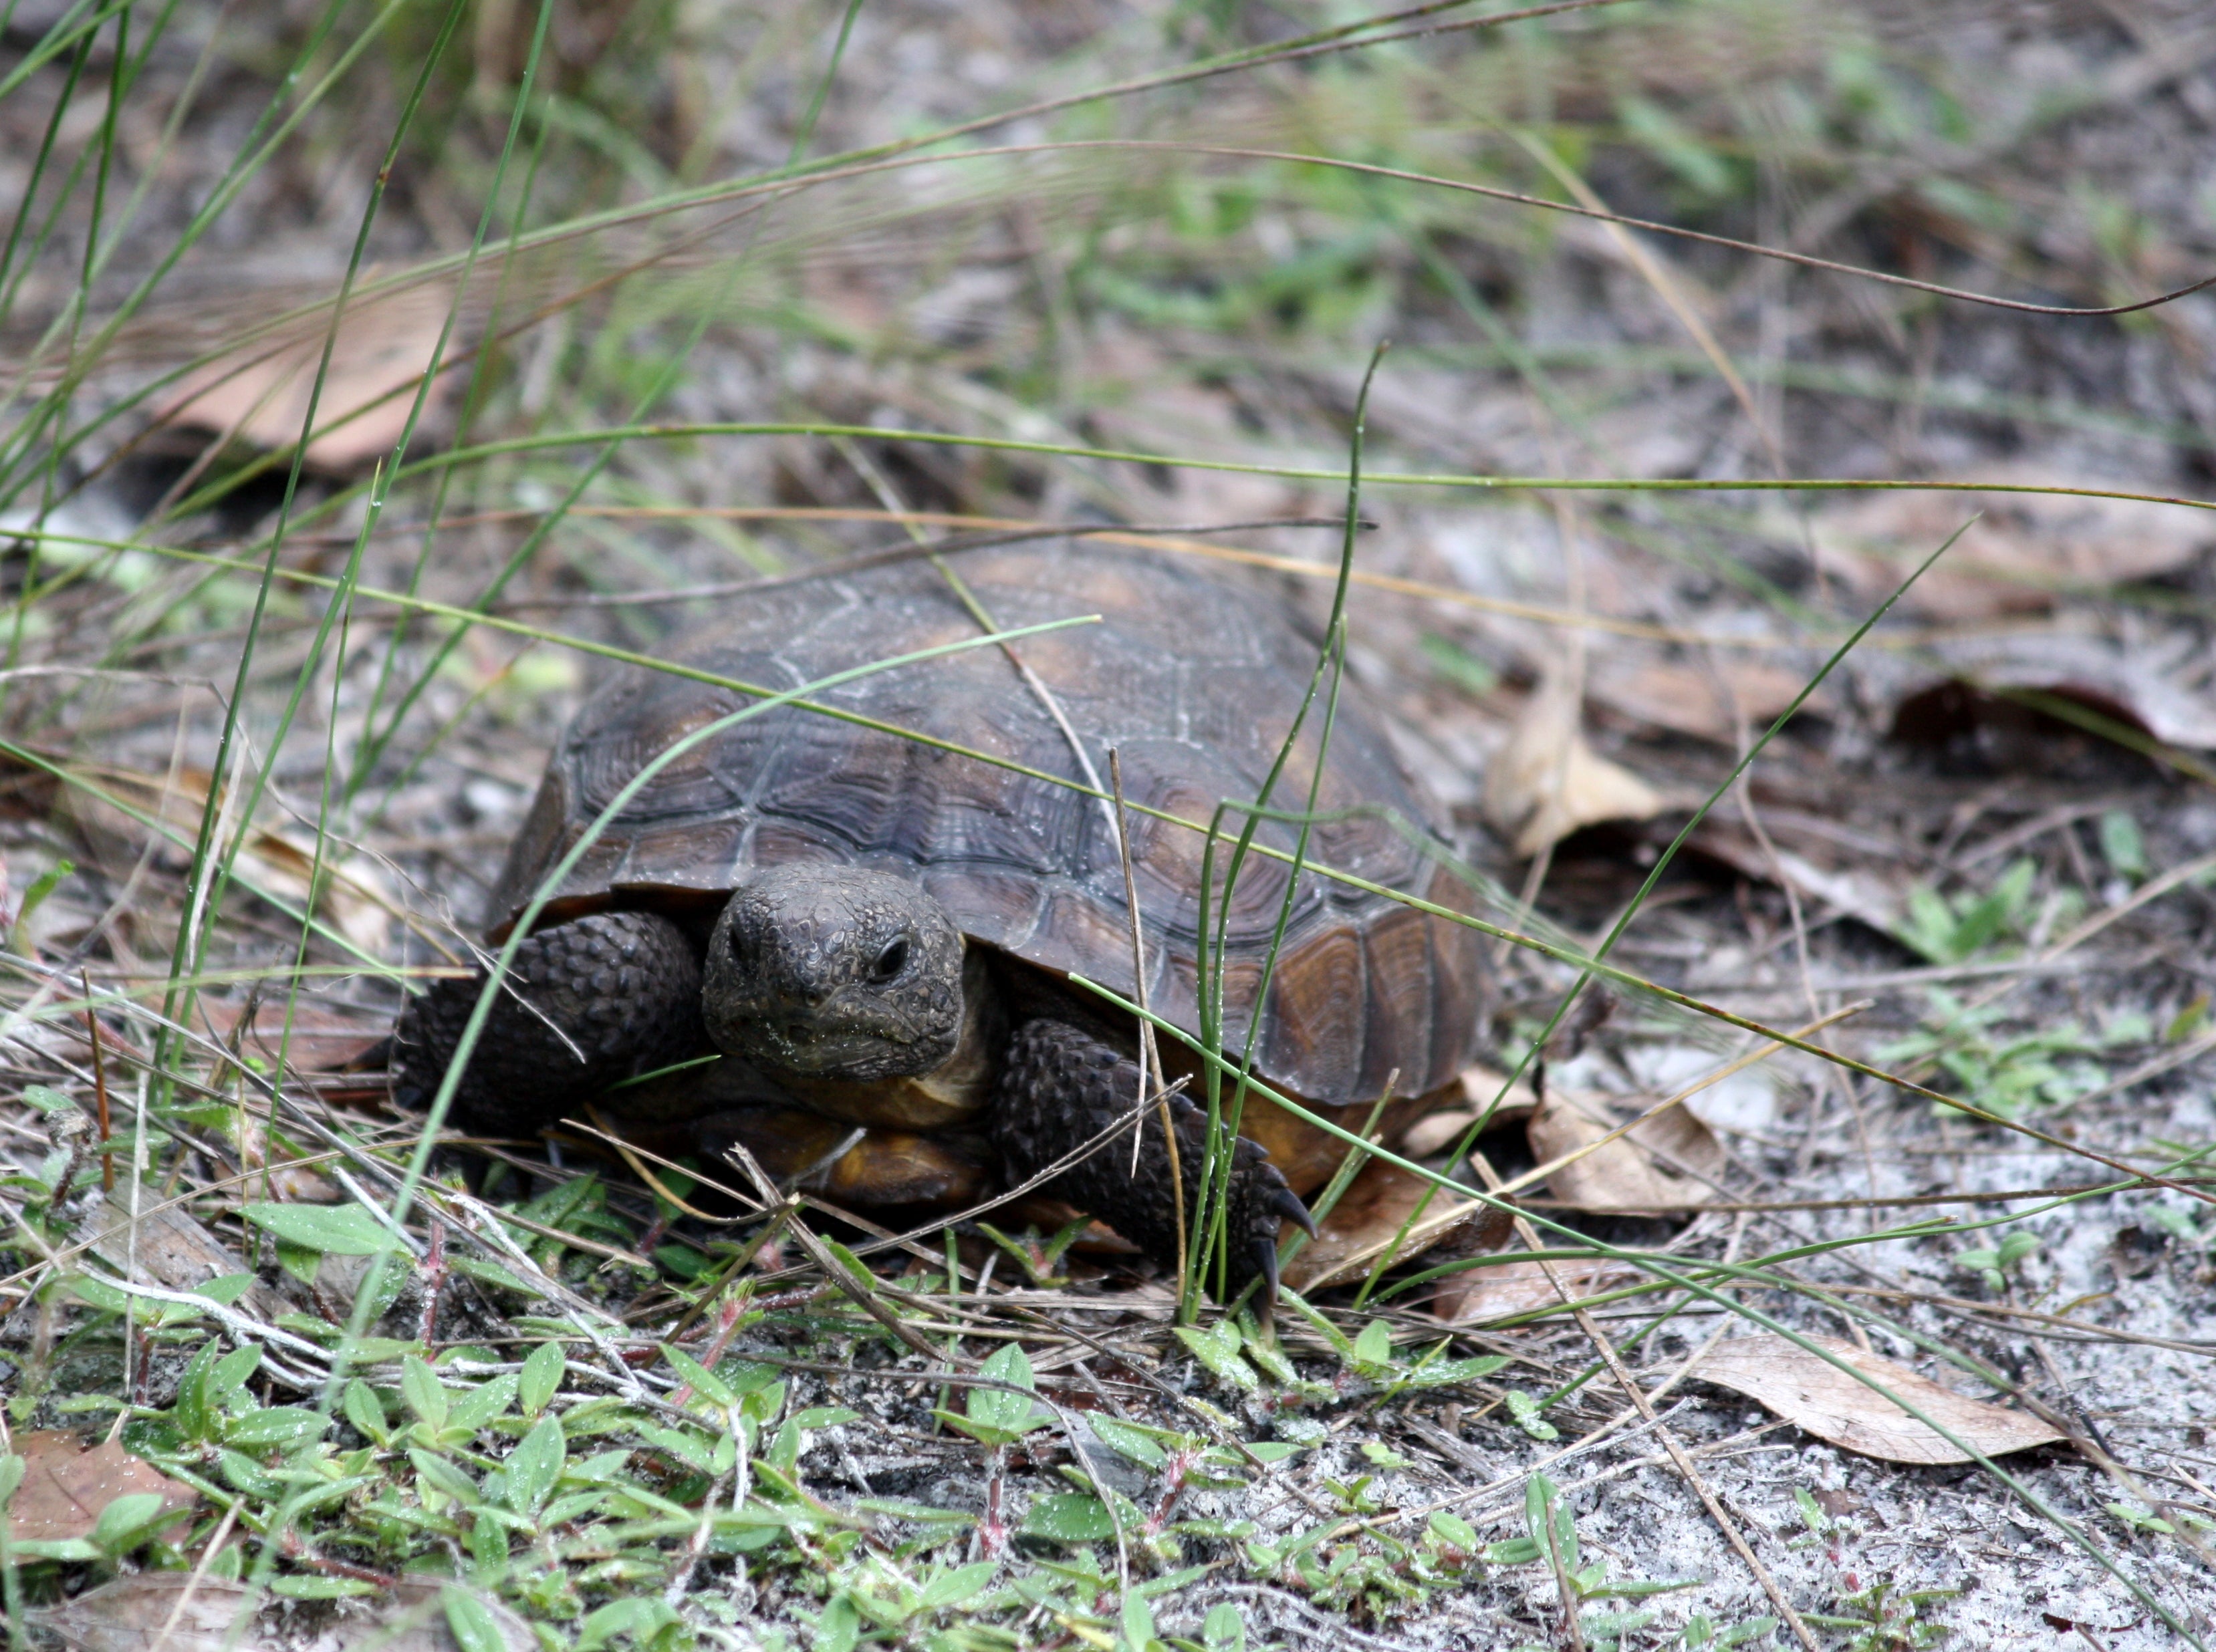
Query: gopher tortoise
point(874, 933)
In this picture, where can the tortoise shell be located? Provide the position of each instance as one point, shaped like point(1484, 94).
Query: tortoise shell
point(1192, 679)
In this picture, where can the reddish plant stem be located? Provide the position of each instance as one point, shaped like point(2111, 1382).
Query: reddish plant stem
point(993, 1530)
point(299, 1555)
point(435, 1281)
point(99, 1087)
point(1173, 1478)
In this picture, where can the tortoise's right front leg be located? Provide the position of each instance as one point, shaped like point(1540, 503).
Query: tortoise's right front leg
point(587, 1004)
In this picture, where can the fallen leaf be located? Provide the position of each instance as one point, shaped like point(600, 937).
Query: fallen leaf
point(2022, 551)
point(1361, 1226)
point(1663, 1162)
point(65, 1486)
point(1709, 702)
point(186, 1613)
point(1434, 1133)
point(1503, 1289)
point(164, 1244)
point(1548, 783)
point(1872, 889)
point(120, 810)
point(259, 392)
point(1992, 686)
point(211, 1614)
point(1834, 1406)
point(322, 1041)
point(285, 1181)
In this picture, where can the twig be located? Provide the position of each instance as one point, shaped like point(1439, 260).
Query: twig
point(1763, 1208)
point(99, 1088)
point(1150, 1060)
point(435, 1281)
point(300, 1554)
point(459, 1205)
point(240, 1325)
point(747, 1252)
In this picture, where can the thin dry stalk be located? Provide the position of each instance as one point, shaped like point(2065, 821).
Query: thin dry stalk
point(1150, 1061)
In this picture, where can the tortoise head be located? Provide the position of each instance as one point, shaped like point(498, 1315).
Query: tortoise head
point(834, 972)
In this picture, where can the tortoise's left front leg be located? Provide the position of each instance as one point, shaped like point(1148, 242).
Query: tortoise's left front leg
point(1061, 1086)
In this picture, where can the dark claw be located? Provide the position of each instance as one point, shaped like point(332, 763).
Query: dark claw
point(1287, 1203)
point(1264, 1255)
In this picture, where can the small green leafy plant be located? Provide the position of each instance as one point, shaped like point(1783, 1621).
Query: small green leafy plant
point(1994, 1263)
point(999, 1416)
point(2010, 1073)
point(1944, 931)
point(1882, 1617)
point(1039, 1258)
point(2147, 1520)
point(1552, 1534)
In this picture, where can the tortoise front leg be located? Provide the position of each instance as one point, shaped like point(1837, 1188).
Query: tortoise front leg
point(587, 1004)
point(1061, 1086)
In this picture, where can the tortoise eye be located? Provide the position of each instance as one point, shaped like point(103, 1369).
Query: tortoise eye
point(891, 961)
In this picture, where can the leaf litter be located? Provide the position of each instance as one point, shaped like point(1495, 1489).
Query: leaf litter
point(195, 1613)
point(1547, 782)
point(68, 1485)
point(1848, 1409)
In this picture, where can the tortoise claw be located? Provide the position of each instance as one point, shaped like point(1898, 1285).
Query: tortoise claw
point(1287, 1203)
point(1264, 1258)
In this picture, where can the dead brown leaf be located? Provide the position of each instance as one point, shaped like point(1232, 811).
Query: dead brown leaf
point(212, 1614)
point(1662, 1162)
point(1873, 888)
point(65, 1486)
point(1710, 701)
point(1363, 1224)
point(2004, 689)
point(2022, 550)
point(1500, 1290)
point(1834, 1406)
point(1434, 1133)
point(259, 393)
point(131, 1614)
point(164, 1244)
point(286, 1182)
point(321, 1040)
point(121, 810)
point(1547, 781)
